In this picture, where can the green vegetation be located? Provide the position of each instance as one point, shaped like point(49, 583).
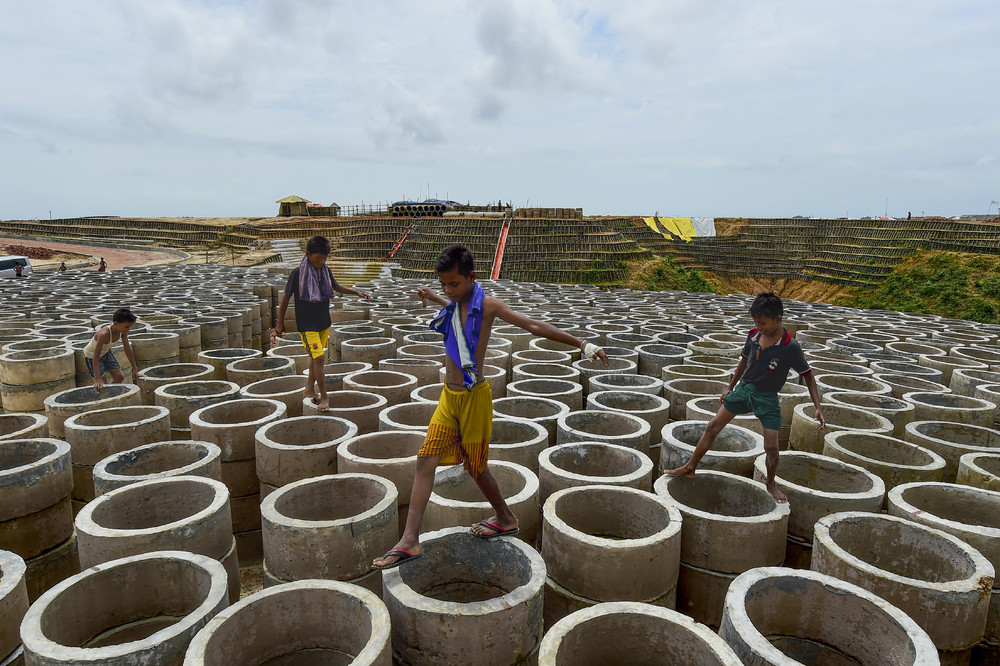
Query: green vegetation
point(665, 274)
point(950, 284)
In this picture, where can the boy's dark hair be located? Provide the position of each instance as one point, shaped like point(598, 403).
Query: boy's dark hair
point(123, 315)
point(318, 245)
point(456, 256)
point(767, 304)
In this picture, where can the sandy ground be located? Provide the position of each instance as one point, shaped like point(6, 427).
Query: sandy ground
point(116, 258)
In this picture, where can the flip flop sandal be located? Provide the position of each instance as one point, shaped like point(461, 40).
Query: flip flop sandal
point(403, 557)
point(499, 530)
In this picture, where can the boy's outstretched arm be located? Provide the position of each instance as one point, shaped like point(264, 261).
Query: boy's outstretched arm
point(543, 329)
point(814, 394)
point(428, 294)
point(341, 289)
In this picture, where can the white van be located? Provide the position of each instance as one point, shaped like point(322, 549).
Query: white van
point(8, 262)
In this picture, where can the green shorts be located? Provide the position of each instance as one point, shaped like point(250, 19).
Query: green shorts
point(746, 398)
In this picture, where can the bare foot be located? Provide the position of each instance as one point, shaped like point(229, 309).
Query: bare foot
point(311, 395)
point(413, 549)
point(778, 496)
point(323, 405)
point(485, 530)
point(681, 471)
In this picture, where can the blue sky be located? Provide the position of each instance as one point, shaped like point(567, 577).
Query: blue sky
point(722, 108)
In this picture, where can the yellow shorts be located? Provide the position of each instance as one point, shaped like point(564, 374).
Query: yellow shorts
point(460, 428)
point(315, 342)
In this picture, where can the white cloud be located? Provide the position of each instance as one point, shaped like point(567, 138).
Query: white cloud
point(710, 108)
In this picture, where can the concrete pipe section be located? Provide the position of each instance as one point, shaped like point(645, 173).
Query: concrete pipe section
point(407, 416)
point(391, 455)
point(589, 464)
point(948, 364)
point(627, 382)
point(95, 435)
point(249, 370)
point(832, 383)
point(518, 441)
point(953, 440)
point(679, 391)
point(652, 409)
point(682, 371)
point(185, 398)
point(143, 609)
point(367, 350)
point(358, 407)
point(953, 408)
point(296, 352)
point(971, 514)
point(424, 369)
point(817, 486)
point(609, 543)
point(220, 358)
point(980, 470)
point(776, 616)
point(734, 450)
point(23, 426)
point(545, 371)
point(542, 411)
point(35, 486)
point(158, 460)
point(902, 384)
point(286, 389)
point(13, 603)
point(329, 527)
point(595, 636)
point(293, 449)
point(395, 387)
point(231, 425)
point(610, 427)
point(161, 514)
point(489, 590)
point(335, 373)
point(60, 406)
point(719, 510)
point(589, 369)
point(933, 577)
point(965, 382)
point(895, 461)
point(899, 412)
point(706, 407)
point(306, 622)
point(457, 500)
point(561, 390)
point(172, 373)
point(804, 436)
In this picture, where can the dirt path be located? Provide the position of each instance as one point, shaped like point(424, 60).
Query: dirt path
point(115, 257)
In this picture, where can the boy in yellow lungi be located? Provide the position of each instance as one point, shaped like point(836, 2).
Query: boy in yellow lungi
point(312, 284)
point(460, 428)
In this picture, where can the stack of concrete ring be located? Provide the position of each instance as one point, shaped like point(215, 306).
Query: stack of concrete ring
point(911, 400)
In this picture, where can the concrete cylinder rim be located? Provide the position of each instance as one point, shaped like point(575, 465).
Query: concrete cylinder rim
point(74, 421)
point(877, 489)
point(262, 433)
point(379, 616)
point(213, 453)
point(645, 466)
point(270, 512)
point(897, 498)
point(277, 408)
point(85, 519)
point(550, 515)
point(345, 448)
point(529, 489)
point(936, 461)
point(217, 593)
point(777, 513)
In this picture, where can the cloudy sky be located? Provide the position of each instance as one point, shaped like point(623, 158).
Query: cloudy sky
point(686, 107)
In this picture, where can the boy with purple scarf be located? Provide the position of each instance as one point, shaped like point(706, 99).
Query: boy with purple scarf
point(460, 429)
point(312, 284)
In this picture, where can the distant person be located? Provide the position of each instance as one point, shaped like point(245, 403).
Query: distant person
point(62, 266)
point(312, 284)
point(909, 215)
point(18, 270)
point(461, 427)
point(768, 354)
point(105, 337)
point(103, 266)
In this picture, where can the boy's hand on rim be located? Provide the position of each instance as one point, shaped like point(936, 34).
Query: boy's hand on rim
point(724, 394)
point(819, 417)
